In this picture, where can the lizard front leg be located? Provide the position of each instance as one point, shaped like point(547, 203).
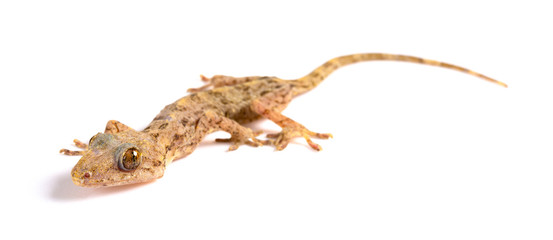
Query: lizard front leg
point(79, 144)
point(270, 105)
point(112, 126)
point(211, 121)
point(222, 80)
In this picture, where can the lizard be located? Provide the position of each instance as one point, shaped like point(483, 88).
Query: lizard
point(121, 155)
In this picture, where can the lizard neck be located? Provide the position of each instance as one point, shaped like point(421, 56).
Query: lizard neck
point(178, 139)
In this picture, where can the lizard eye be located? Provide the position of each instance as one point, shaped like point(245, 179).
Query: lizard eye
point(92, 139)
point(130, 160)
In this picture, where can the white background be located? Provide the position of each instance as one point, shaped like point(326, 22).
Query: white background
point(419, 152)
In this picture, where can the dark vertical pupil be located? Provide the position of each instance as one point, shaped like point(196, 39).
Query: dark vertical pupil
point(130, 159)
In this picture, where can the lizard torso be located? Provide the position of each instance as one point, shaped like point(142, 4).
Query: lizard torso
point(175, 126)
point(122, 155)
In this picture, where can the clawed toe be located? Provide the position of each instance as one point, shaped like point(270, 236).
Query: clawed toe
point(71, 153)
point(283, 138)
point(323, 135)
point(313, 145)
point(78, 144)
point(208, 84)
point(238, 141)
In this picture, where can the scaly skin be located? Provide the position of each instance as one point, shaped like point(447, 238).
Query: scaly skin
point(122, 155)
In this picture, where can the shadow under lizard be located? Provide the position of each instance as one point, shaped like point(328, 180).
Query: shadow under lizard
point(121, 155)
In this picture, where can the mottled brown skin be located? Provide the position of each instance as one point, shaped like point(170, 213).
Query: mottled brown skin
point(222, 104)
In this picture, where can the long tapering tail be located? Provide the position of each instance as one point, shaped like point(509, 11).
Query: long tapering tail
point(313, 79)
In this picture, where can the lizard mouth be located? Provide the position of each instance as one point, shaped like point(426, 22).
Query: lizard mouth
point(79, 178)
point(78, 181)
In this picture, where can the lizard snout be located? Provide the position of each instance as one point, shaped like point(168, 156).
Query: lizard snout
point(79, 177)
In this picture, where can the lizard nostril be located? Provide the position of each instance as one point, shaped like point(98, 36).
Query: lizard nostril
point(86, 175)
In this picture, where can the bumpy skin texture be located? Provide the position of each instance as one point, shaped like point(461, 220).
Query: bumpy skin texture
point(223, 103)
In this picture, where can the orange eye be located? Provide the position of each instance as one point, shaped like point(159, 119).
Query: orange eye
point(130, 160)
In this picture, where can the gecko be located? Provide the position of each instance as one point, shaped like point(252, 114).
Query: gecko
point(121, 155)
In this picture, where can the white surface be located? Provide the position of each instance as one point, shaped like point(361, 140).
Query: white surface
point(419, 152)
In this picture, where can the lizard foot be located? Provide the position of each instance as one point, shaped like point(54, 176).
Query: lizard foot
point(79, 144)
point(239, 135)
point(282, 139)
point(208, 84)
point(248, 137)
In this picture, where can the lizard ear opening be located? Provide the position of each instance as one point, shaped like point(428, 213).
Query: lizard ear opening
point(114, 126)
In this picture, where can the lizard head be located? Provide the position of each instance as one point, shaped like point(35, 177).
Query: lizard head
point(119, 156)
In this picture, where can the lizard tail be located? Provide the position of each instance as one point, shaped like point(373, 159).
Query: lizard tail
point(313, 79)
